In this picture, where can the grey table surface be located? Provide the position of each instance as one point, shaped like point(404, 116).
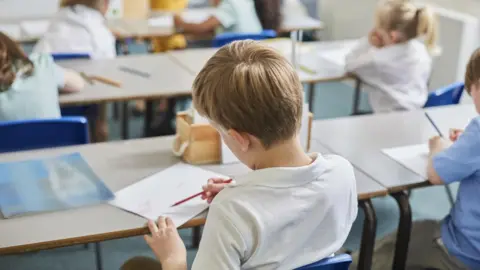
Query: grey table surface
point(360, 139)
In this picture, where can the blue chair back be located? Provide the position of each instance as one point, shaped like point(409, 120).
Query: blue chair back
point(448, 95)
point(77, 110)
point(339, 262)
point(226, 38)
point(42, 133)
point(69, 56)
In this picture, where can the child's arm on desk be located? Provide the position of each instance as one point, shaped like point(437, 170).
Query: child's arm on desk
point(73, 82)
point(204, 27)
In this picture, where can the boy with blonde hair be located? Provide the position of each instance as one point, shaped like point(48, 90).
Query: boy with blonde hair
point(293, 208)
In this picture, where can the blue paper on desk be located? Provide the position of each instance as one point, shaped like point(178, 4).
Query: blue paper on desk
point(51, 184)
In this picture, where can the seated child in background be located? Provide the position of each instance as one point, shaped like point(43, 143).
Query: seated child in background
point(79, 27)
point(237, 16)
point(173, 42)
point(29, 85)
point(455, 242)
point(293, 208)
point(392, 61)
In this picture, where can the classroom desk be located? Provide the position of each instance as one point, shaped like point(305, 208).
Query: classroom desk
point(166, 79)
point(120, 164)
point(360, 139)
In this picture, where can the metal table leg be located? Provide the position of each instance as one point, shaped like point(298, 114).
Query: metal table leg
point(98, 256)
point(148, 118)
point(403, 232)
point(356, 97)
point(125, 120)
point(311, 96)
point(368, 235)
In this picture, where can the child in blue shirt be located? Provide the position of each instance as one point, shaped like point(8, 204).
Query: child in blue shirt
point(460, 162)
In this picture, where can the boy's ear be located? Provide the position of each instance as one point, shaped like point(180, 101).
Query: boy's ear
point(242, 139)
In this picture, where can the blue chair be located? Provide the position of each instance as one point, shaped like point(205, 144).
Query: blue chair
point(77, 110)
point(339, 262)
point(448, 95)
point(226, 38)
point(42, 133)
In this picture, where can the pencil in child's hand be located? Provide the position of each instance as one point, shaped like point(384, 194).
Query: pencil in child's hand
point(433, 124)
point(198, 194)
point(106, 81)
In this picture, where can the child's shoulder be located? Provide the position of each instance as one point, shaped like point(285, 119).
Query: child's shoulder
point(41, 60)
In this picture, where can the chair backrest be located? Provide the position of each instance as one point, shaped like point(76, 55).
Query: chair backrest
point(69, 56)
point(226, 38)
point(339, 262)
point(42, 133)
point(448, 95)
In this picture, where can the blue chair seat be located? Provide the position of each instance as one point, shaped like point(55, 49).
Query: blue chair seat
point(448, 95)
point(42, 133)
point(226, 38)
point(339, 262)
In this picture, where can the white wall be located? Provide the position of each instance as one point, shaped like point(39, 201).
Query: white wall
point(27, 8)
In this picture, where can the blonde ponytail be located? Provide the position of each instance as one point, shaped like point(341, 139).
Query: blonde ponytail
point(427, 26)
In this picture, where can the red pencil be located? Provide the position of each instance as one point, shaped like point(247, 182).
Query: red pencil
point(198, 194)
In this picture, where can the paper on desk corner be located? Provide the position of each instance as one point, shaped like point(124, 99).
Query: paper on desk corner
point(35, 28)
point(336, 56)
point(413, 157)
point(161, 21)
point(12, 30)
point(153, 196)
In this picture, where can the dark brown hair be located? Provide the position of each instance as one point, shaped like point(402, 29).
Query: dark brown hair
point(472, 73)
point(250, 87)
point(12, 60)
point(269, 13)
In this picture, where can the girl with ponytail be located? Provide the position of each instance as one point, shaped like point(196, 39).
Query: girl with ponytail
point(395, 59)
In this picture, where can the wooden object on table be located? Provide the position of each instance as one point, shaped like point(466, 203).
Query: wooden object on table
point(136, 9)
point(201, 143)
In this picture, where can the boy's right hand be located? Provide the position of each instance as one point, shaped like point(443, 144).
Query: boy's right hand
point(375, 39)
point(212, 188)
point(454, 133)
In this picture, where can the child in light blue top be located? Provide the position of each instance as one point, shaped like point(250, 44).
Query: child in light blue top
point(29, 85)
point(460, 162)
point(236, 16)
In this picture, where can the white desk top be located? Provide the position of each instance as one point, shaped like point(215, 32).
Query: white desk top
point(119, 164)
point(360, 139)
point(310, 55)
point(167, 79)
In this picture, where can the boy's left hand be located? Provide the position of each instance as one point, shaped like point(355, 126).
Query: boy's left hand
point(178, 21)
point(166, 244)
point(438, 144)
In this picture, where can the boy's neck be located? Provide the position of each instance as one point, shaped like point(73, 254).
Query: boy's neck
point(286, 154)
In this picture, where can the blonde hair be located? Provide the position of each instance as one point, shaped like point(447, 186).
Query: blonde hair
point(93, 4)
point(250, 87)
point(403, 16)
point(472, 73)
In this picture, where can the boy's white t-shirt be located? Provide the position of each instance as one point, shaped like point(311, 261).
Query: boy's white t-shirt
point(78, 29)
point(280, 218)
point(396, 76)
point(238, 16)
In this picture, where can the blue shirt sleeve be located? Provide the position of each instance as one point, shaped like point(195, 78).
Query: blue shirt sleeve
point(462, 159)
point(45, 64)
point(225, 13)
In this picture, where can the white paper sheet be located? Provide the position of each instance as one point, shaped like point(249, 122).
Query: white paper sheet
point(196, 15)
point(336, 56)
point(35, 28)
point(165, 21)
point(11, 30)
point(153, 196)
point(413, 157)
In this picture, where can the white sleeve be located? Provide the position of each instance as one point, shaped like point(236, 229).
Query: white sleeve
point(361, 59)
point(103, 44)
point(225, 13)
point(222, 245)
